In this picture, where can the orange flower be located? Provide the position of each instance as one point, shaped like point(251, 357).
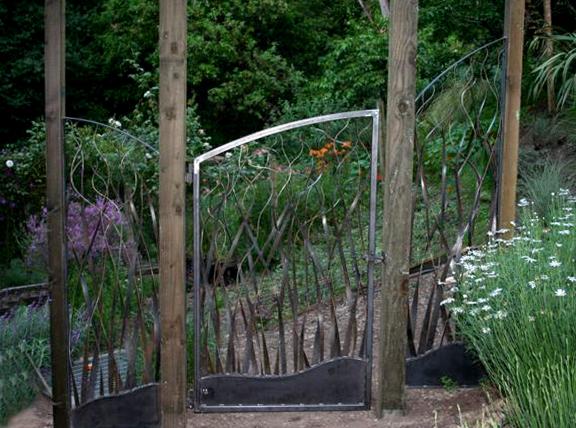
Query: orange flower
point(330, 148)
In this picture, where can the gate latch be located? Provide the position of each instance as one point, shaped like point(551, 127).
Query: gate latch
point(377, 259)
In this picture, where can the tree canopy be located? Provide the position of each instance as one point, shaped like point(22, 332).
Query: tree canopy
point(251, 62)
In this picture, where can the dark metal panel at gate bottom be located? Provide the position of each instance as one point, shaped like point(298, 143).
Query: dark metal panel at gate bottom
point(338, 384)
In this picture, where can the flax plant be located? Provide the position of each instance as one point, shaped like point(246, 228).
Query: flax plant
point(515, 305)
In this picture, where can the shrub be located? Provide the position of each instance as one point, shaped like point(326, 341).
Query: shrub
point(515, 306)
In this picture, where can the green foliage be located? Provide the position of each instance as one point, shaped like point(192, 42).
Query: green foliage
point(515, 308)
point(434, 55)
point(561, 69)
point(471, 21)
point(17, 274)
point(95, 148)
point(21, 81)
point(458, 141)
point(22, 189)
point(129, 32)
point(247, 61)
point(539, 183)
point(355, 68)
point(544, 132)
point(23, 337)
point(448, 383)
point(353, 72)
point(25, 351)
point(238, 79)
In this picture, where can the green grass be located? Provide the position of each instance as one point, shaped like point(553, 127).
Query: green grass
point(516, 307)
point(539, 183)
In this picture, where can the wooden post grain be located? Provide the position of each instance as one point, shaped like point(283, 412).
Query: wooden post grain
point(397, 204)
point(54, 63)
point(172, 212)
point(548, 53)
point(514, 30)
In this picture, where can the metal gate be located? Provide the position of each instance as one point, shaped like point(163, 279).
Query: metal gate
point(283, 267)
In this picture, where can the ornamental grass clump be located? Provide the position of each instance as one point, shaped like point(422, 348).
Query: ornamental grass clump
point(515, 305)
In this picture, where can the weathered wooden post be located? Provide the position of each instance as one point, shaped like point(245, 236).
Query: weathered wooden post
point(54, 64)
point(514, 31)
point(399, 158)
point(172, 212)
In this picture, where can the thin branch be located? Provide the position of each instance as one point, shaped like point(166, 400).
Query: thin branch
point(384, 8)
point(366, 12)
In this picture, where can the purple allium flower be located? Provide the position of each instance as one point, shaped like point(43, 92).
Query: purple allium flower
point(92, 231)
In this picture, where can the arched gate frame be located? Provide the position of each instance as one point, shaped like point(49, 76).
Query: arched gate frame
point(270, 300)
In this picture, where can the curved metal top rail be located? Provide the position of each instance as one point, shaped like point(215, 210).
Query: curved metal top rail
point(281, 128)
point(112, 128)
point(456, 63)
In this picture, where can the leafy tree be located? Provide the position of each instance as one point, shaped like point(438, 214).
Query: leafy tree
point(247, 58)
point(21, 69)
point(471, 21)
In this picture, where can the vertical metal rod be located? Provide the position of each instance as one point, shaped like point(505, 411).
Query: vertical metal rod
point(196, 283)
point(514, 30)
point(54, 63)
point(397, 204)
point(173, 212)
point(372, 250)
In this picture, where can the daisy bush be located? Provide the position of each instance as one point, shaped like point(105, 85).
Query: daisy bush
point(515, 305)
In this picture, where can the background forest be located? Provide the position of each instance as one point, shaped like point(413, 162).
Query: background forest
point(251, 64)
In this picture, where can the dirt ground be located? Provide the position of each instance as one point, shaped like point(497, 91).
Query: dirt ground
point(424, 408)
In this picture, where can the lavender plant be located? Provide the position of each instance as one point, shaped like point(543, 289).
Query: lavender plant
point(516, 307)
point(25, 348)
point(24, 336)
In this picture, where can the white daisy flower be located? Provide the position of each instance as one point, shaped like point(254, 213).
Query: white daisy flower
point(501, 315)
point(447, 301)
point(523, 202)
point(560, 292)
point(496, 292)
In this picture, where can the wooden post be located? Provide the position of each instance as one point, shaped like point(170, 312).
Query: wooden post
point(54, 63)
point(548, 52)
point(172, 212)
point(514, 30)
point(397, 205)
